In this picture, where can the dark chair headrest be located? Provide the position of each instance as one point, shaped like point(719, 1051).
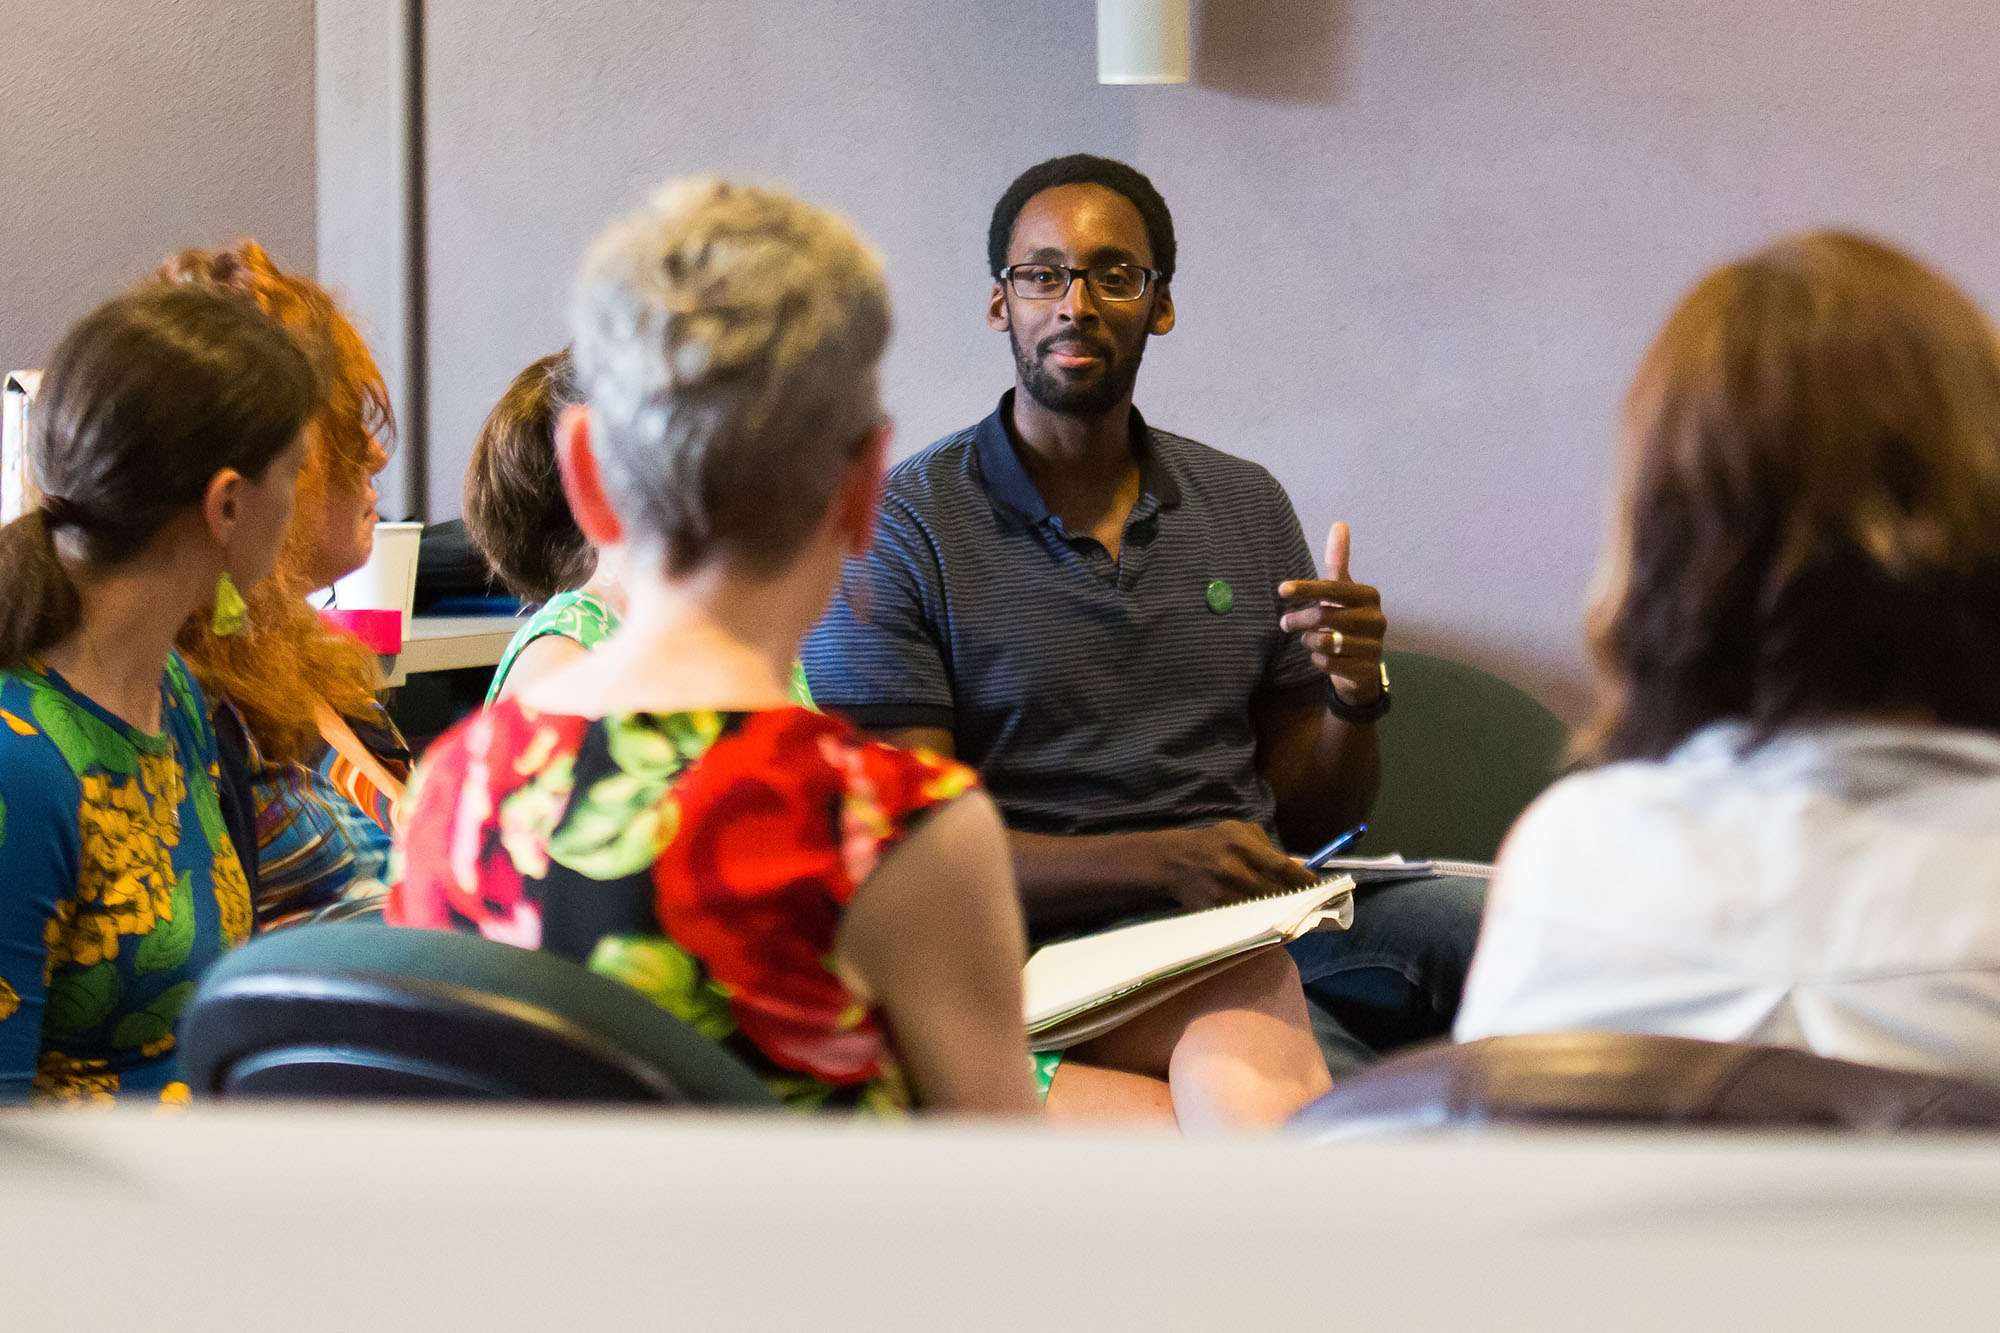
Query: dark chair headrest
point(368, 1009)
point(1601, 1078)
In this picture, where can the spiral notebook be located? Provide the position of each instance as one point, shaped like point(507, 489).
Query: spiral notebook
point(1080, 988)
point(1369, 871)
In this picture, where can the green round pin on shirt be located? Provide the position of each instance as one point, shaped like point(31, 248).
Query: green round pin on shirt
point(1220, 597)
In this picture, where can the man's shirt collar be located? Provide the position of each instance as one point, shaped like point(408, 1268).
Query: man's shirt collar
point(1009, 487)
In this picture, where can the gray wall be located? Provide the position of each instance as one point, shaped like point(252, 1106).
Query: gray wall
point(368, 133)
point(132, 128)
point(1423, 241)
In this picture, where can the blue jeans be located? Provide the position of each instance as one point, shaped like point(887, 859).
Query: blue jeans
point(1395, 975)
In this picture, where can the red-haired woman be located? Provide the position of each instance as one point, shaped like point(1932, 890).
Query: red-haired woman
point(327, 766)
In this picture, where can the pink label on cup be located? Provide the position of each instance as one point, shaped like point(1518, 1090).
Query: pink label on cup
point(380, 630)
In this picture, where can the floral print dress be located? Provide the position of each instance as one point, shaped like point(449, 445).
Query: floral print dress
point(576, 615)
point(704, 858)
point(118, 887)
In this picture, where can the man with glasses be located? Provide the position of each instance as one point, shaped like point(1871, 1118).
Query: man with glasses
point(1122, 629)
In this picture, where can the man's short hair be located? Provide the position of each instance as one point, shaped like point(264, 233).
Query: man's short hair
point(727, 339)
point(1083, 169)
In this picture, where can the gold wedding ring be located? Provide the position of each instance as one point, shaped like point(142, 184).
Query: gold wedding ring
point(1337, 641)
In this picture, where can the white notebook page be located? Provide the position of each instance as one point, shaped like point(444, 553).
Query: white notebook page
point(1061, 978)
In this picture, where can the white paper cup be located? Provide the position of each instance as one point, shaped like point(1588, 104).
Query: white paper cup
point(1142, 41)
point(388, 582)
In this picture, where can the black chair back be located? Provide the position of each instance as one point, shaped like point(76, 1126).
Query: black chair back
point(369, 1011)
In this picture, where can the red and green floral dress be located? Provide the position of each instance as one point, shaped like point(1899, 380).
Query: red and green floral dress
point(704, 858)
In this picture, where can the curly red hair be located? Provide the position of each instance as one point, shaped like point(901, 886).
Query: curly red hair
point(285, 653)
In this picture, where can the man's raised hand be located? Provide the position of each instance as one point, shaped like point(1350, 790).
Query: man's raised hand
point(1341, 623)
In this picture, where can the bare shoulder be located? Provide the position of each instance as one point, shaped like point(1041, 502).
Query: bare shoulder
point(943, 899)
point(542, 658)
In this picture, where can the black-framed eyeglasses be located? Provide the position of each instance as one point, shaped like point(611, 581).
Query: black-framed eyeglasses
point(1051, 282)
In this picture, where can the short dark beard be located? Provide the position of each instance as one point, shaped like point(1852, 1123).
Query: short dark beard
point(1050, 390)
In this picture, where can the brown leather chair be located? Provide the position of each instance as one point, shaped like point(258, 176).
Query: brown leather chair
point(1578, 1079)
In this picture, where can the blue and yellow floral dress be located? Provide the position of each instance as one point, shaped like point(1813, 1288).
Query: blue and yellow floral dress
point(118, 887)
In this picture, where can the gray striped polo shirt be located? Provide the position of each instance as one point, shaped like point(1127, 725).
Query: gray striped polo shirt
point(1093, 695)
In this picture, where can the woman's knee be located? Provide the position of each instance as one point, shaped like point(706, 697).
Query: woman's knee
point(1277, 969)
point(1267, 981)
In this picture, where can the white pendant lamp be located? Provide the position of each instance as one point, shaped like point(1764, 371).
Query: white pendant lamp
point(1142, 41)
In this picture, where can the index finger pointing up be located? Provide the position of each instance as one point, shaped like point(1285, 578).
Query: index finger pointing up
point(1336, 552)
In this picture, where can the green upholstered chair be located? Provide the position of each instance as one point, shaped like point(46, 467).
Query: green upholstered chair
point(1463, 753)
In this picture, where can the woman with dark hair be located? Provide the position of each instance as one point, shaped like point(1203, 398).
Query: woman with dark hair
point(1789, 830)
point(168, 440)
point(518, 517)
point(295, 700)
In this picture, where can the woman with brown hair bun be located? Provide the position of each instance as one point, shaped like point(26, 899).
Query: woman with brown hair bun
point(167, 443)
point(326, 765)
point(1789, 831)
point(518, 517)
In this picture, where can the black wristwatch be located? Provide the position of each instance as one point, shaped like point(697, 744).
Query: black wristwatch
point(1360, 715)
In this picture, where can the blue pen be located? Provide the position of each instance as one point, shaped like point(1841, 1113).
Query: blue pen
point(1335, 848)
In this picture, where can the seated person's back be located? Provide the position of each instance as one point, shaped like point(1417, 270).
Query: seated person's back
point(1789, 833)
point(1836, 889)
point(704, 858)
point(839, 912)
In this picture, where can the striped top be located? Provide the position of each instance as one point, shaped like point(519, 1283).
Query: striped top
point(1093, 695)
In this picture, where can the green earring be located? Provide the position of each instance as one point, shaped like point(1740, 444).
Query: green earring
point(230, 612)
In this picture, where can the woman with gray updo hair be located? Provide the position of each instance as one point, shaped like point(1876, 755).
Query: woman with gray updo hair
point(839, 913)
point(726, 340)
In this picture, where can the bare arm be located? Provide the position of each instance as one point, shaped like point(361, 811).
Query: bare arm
point(1089, 877)
point(935, 936)
point(1324, 772)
